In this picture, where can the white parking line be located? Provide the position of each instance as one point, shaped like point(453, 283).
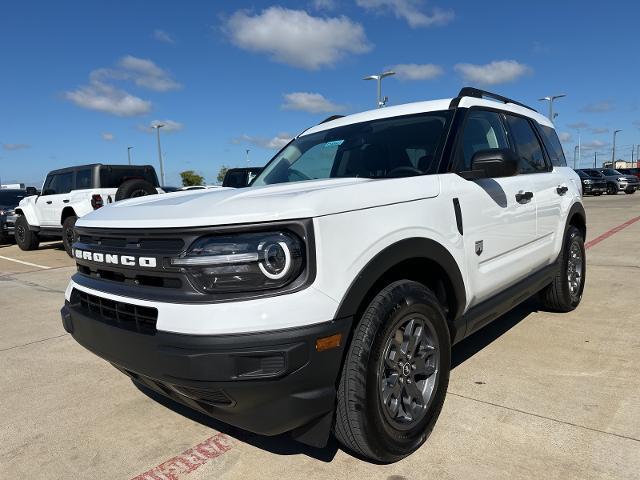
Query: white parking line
point(25, 263)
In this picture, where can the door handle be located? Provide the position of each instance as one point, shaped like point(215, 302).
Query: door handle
point(562, 189)
point(524, 197)
point(49, 202)
point(66, 201)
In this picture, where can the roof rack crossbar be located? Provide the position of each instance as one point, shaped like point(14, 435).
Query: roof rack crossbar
point(478, 93)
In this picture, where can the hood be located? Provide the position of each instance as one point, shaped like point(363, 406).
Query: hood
point(283, 201)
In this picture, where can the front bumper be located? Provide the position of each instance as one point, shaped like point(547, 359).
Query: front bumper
point(265, 382)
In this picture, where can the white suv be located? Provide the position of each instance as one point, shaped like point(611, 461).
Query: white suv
point(72, 192)
point(327, 295)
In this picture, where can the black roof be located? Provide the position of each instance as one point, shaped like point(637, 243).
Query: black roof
point(93, 165)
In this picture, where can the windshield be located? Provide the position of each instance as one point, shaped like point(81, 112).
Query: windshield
point(610, 171)
point(385, 148)
point(594, 173)
point(11, 198)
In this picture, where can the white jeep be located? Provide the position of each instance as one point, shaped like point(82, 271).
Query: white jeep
point(327, 295)
point(69, 193)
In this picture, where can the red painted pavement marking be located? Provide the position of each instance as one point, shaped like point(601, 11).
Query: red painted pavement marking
point(613, 231)
point(189, 460)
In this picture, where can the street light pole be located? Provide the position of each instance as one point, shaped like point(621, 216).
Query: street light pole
point(613, 151)
point(158, 127)
point(575, 155)
point(378, 78)
point(550, 99)
point(129, 154)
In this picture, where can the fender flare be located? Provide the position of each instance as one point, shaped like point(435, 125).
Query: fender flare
point(409, 248)
point(28, 212)
point(576, 209)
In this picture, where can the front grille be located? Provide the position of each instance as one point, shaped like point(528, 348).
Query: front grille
point(120, 314)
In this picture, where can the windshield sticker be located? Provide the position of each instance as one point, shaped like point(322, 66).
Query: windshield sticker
point(333, 143)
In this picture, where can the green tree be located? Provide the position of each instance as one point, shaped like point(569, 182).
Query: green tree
point(190, 178)
point(222, 173)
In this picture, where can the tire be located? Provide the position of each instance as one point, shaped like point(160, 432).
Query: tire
point(612, 189)
point(630, 191)
point(365, 423)
point(68, 235)
point(564, 294)
point(134, 188)
point(25, 238)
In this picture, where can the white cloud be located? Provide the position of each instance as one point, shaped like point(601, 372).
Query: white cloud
point(578, 125)
point(15, 146)
point(409, 10)
point(414, 71)
point(109, 137)
point(494, 73)
point(309, 102)
point(163, 36)
point(296, 38)
point(599, 107)
point(275, 143)
point(168, 126)
point(594, 144)
point(108, 99)
point(565, 137)
point(324, 4)
point(102, 95)
point(145, 73)
point(599, 130)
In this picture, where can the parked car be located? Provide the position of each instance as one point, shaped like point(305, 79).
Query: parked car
point(9, 200)
point(630, 171)
point(240, 177)
point(69, 193)
point(326, 297)
point(618, 182)
point(592, 184)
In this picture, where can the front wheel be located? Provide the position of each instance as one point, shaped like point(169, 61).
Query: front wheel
point(68, 235)
point(565, 292)
point(25, 237)
point(395, 376)
point(612, 189)
point(630, 191)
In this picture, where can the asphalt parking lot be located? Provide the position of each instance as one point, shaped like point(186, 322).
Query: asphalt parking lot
point(532, 395)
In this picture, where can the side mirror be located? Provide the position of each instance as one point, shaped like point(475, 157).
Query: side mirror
point(495, 163)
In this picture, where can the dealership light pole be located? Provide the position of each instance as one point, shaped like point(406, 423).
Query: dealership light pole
point(129, 154)
point(158, 126)
point(613, 150)
point(550, 99)
point(575, 155)
point(378, 78)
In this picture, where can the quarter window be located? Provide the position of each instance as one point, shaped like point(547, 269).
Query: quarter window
point(527, 145)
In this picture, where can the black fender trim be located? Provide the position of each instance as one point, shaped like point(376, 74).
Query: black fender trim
point(391, 256)
point(576, 209)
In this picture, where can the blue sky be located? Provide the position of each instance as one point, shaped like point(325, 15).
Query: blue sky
point(83, 80)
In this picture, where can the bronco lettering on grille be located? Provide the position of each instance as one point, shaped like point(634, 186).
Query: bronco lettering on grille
point(126, 260)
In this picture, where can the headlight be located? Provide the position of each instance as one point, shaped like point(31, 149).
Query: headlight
point(244, 262)
point(588, 181)
point(622, 179)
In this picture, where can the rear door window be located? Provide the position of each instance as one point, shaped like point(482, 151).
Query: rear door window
point(58, 183)
point(553, 146)
point(527, 145)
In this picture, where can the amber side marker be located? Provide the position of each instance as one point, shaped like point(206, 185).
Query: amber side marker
point(327, 343)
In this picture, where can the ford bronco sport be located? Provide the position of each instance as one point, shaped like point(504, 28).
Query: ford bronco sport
point(327, 296)
point(70, 193)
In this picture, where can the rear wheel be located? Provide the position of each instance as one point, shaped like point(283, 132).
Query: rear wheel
point(25, 238)
point(565, 292)
point(395, 375)
point(68, 235)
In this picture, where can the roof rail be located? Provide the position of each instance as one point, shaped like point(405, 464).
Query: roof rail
point(478, 93)
point(331, 118)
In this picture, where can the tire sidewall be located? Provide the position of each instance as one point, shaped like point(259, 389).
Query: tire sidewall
point(69, 223)
point(128, 187)
point(573, 234)
point(24, 241)
point(388, 442)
